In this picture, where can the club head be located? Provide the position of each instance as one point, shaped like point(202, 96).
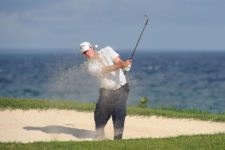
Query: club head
point(146, 19)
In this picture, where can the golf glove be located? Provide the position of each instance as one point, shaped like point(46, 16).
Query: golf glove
point(127, 69)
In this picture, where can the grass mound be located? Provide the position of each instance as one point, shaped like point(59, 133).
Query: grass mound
point(14, 103)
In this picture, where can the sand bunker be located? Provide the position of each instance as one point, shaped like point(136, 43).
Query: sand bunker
point(66, 125)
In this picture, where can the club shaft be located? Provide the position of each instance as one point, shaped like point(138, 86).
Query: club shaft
point(132, 55)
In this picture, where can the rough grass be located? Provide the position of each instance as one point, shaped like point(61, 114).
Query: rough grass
point(209, 142)
point(14, 103)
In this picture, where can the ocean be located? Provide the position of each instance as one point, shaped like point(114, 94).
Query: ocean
point(182, 80)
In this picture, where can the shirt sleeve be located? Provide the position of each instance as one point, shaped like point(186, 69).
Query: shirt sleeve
point(113, 54)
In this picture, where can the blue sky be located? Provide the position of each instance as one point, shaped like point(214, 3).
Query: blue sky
point(62, 24)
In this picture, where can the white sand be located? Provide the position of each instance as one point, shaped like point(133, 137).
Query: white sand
point(64, 125)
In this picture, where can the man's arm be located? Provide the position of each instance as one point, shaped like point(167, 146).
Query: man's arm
point(118, 63)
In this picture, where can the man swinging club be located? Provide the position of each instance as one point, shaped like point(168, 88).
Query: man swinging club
point(107, 66)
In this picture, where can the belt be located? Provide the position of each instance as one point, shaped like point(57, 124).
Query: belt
point(116, 87)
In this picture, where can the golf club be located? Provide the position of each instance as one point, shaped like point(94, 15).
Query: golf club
point(126, 69)
point(146, 22)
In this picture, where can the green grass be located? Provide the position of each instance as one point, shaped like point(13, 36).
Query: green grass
point(25, 104)
point(174, 113)
point(209, 142)
point(13, 103)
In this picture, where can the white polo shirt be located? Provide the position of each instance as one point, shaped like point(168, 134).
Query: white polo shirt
point(112, 80)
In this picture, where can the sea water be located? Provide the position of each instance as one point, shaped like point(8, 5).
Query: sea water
point(182, 80)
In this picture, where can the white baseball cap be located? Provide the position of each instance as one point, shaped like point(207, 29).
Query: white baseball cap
point(84, 46)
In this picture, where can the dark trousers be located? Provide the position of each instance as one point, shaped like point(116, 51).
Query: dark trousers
point(111, 103)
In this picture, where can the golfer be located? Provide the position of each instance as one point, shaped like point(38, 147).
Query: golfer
point(107, 66)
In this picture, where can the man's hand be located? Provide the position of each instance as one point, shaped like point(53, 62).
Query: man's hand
point(127, 65)
point(126, 69)
point(118, 64)
point(121, 64)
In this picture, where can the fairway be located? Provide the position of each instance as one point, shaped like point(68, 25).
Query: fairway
point(66, 125)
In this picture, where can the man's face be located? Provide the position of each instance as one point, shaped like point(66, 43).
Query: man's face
point(89, 53)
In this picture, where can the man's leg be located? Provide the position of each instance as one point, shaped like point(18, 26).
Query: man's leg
point(119, 112)
point(118, 117)
point(101, 115)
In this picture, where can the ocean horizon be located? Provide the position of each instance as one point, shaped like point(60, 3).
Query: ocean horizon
point(169, 79)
